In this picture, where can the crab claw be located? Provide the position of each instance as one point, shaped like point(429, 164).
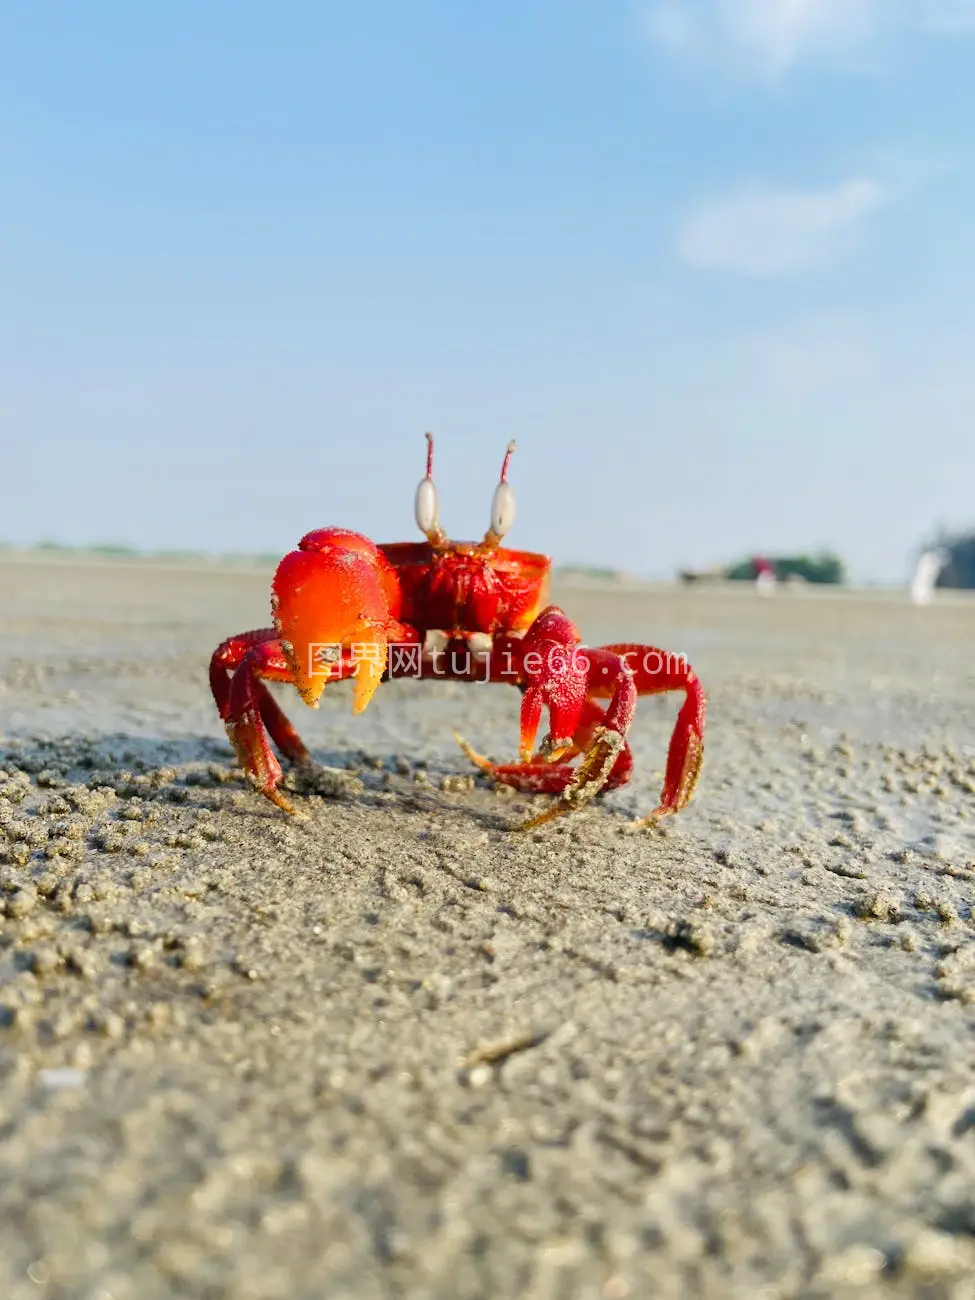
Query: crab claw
point(331, 603)
point(556, 674)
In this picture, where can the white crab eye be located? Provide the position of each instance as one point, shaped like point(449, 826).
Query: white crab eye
point(425, 507)
point(502, 509)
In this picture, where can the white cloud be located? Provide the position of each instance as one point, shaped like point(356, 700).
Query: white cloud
point(767, 232)
point(771, 37)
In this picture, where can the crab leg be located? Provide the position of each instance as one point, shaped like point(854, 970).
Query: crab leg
point(249, 711)
point(228, 658)
point(621, 673)
point(333, 601)
point(547, 777)
point(655, 672)
point(598, 735)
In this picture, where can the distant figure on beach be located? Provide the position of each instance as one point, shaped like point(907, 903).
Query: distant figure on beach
point(765, 578)
point(929, 565)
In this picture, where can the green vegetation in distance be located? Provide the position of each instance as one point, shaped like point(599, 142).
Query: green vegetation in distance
point(825, 567)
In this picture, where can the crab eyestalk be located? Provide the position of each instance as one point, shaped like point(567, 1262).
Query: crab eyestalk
point(426, 507)
point(330, 601)
point(502, 506)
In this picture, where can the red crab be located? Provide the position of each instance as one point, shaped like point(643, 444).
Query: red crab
point(470, 611)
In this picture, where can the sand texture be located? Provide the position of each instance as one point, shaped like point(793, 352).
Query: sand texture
point(394, 1050)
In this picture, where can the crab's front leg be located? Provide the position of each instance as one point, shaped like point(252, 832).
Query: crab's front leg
point(252, 717)
point(595, 733)
point(547, 663)
point(547, 776)
point(554, 673)
point(335, 602)
point(621, 673)
point(617, 674)
point(600, 737)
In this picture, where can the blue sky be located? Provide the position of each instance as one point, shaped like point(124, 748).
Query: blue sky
point(709, 262)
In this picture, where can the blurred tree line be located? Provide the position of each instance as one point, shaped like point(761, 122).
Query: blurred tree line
point(824, 567)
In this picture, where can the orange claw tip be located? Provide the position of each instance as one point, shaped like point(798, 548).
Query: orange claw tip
point(371, 655)
point(531, 715)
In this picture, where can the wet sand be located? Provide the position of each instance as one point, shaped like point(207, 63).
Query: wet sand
point(394, 1050)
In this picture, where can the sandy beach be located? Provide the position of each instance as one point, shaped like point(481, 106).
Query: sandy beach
point(395, 1050)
